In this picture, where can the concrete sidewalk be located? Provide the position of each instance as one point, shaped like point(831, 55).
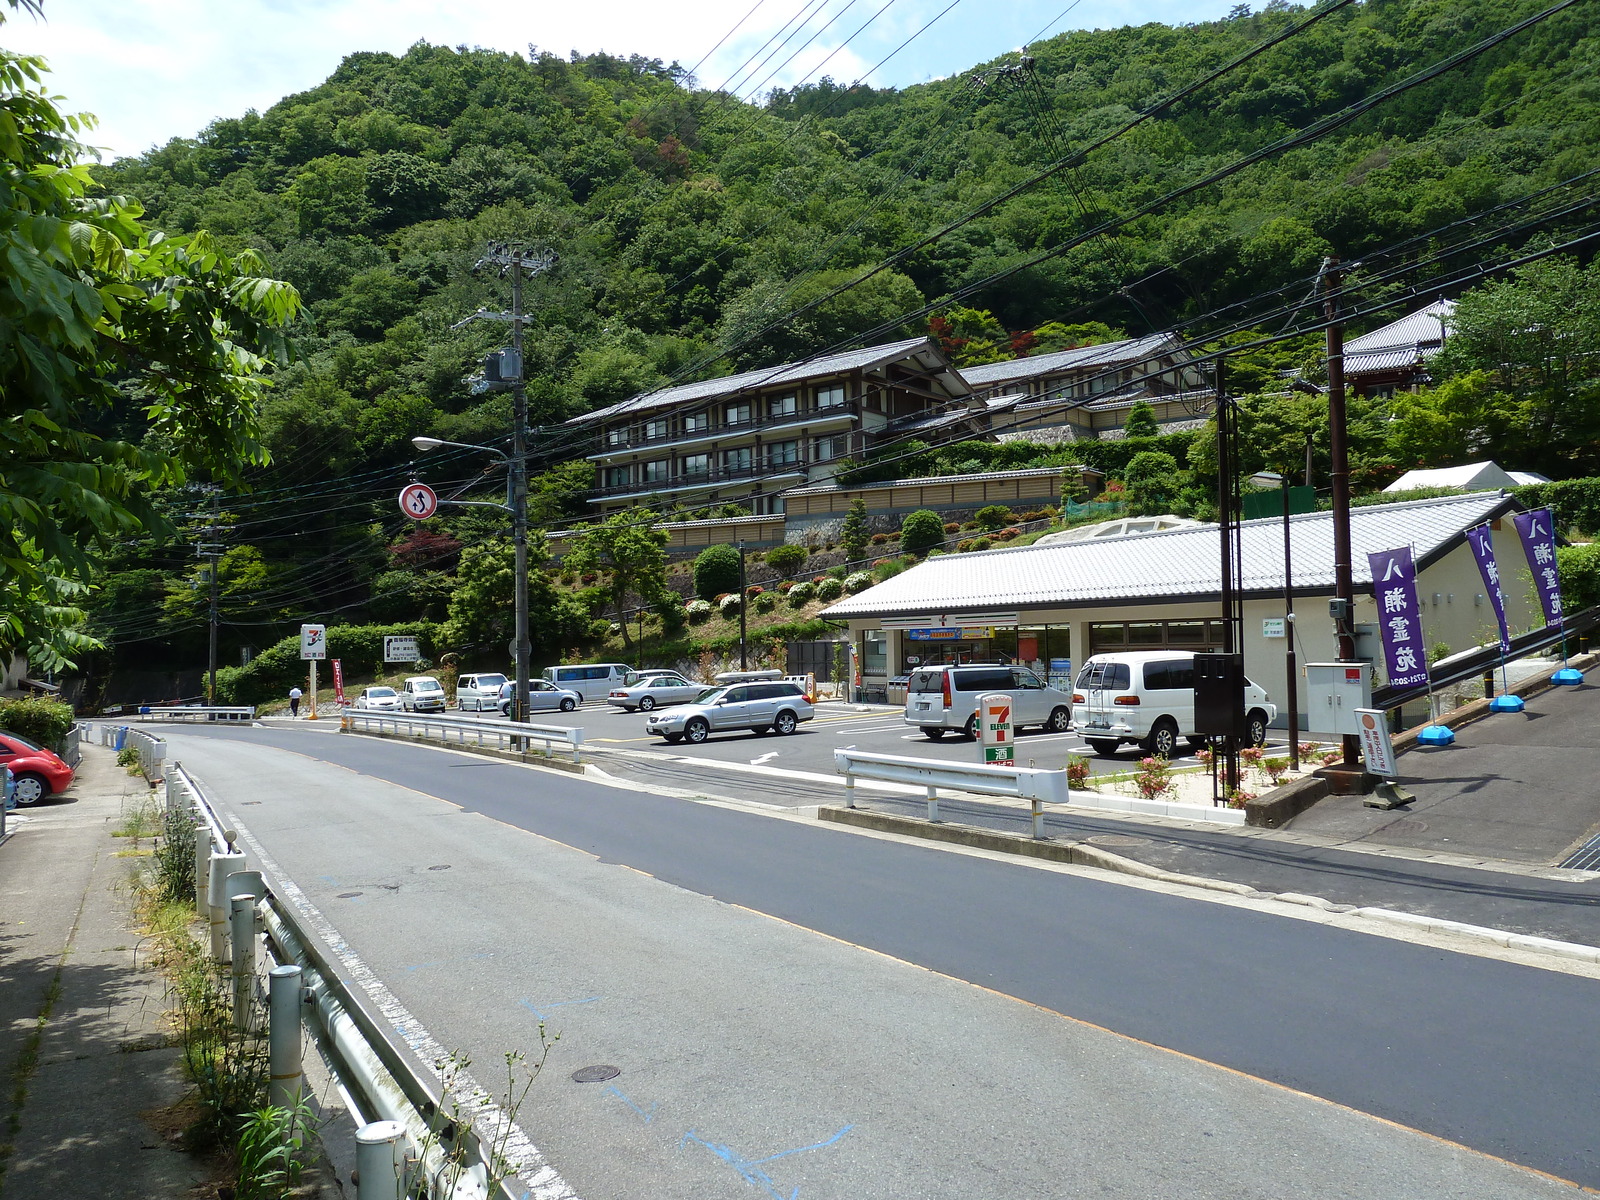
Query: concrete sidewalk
point(88, 1071)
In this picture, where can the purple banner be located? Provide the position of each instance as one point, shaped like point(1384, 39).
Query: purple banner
point(1538, 532)
point(1394, 586)
point(1481, 539)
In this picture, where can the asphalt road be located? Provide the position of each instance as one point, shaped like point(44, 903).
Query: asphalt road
point(757, 1055)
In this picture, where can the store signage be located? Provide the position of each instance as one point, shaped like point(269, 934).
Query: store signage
point(958, 634)
point(1272, 627)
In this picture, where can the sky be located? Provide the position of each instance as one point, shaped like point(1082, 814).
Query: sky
point(152, 70)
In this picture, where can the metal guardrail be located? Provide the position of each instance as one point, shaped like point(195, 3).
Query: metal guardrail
point(152, 750)
point(195, 712)
point(462, 731)
point(70, 748)
point(1033, 784)
point(415, 1144)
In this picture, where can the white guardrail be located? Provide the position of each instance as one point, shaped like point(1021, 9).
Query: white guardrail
point(416, 1142)
point(464, 730)
point(152, 750)
point(194, 712)
point(1033, 784)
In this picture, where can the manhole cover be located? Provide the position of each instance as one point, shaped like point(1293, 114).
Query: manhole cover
point(1117, 839)
point(597, 1074)
point(348, 895)
point(440, 867)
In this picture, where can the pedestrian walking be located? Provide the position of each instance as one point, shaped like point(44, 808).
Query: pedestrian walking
point(294, 701)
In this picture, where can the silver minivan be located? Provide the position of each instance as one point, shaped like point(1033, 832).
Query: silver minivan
point(592, 681)
point(944, 699)
point(475, 693)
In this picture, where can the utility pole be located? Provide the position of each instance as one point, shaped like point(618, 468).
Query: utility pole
point(216, 560)
point(743, 658)
point(1339, 451)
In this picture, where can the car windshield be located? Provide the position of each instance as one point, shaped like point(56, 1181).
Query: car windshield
point(490, 681)
point(22, 741)
point(380, 693)
point(709, 695)
point(429, 685)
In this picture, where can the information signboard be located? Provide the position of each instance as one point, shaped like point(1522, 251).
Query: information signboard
point(997, 735)
point(1376, 747)
point(314, 641)
point(400, 649)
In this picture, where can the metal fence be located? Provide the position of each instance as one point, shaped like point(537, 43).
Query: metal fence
point(152, 750)
point(416, 1142)
point(195, 712)
point(463, 731)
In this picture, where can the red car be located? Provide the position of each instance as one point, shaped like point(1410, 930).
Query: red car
point(39, 772)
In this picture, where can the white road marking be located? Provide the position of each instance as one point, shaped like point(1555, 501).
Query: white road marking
point(767, 757)
point(492, 1123)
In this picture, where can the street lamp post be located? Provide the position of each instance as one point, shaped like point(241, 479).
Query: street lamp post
point(1271, 479)
point(517, 505)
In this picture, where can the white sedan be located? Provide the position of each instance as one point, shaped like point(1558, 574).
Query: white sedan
point(655, 691)
point(382, 698)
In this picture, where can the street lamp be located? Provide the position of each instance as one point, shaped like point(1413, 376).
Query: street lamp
point(1269, 480)
point(516, 504)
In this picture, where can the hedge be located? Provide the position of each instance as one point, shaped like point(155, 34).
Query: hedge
point(271, 674)
point(37, 719)
point(1575, 502)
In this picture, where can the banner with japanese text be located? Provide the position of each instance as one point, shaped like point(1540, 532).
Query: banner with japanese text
point(1481, 539)
point(1537, 529)
point(1394, 585)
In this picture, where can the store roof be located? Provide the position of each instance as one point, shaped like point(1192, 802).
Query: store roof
point(1177, 565)
point(1077, 359)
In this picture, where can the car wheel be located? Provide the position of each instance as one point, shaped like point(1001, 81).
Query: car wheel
point(568, 704)
point(1163, 739)
point(1060, 720)
point(31, 788)
point(1104, 747)
point(933, 735)
point(1256, 728)
point(646, 703)
point(971, 730)
point(786, 723)
point(673, 737)
point(697, 730)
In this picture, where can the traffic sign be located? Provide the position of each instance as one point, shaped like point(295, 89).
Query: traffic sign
point(417, 501)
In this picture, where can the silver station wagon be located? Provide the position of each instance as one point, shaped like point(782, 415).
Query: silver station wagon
point(758, 707)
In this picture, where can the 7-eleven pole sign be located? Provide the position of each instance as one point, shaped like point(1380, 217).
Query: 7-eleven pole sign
point(994, 720)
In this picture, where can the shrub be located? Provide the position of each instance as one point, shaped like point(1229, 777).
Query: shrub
point(921, 532)
point(963, 545)
point(818, 578)
point(716, 571)
point(37, 719)
point(1035, 515)
point(1153, 779)
point(279, 667)
point(887, 568)
point(754, 590)
point(981, 543)
point(1006, 535)
point(993, 516)
point(857, 581)
point(880, 539)
point(1077, 771)
point(699, 611)
point(830, 589)
point(971, 525)
point(730, 605)
point(785, 586)
point(952, 526)
point(801, 594)
point(765, 602)
point(1275, 769)
point(787, 559)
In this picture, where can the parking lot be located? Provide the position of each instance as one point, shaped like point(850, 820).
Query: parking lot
point(876, 728)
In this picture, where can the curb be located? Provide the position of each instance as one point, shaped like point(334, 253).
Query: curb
point(1085, 855)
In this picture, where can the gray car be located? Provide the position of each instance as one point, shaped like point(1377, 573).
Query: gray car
point(757, 707)
point(543, 696)
point(653, 691)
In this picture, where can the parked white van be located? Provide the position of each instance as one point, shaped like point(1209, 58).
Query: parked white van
point(592, 681)
point(1147, 697)
point(476, 693)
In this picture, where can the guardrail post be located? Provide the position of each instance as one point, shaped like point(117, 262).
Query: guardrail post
point(222, 865)
point(1038, 818)
point(933, 804)
point(284, 1076)
point(849, 789)
point(242, 927)
point(380, 1161)
point(202, 863)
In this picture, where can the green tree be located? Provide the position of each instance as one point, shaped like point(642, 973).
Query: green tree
point(1462, 420)
point(1141, 422)
point(483, 604)
point(787, 559)
point(1153, 482)
point(855, 533)
point(716, 571)
point(921, 531)
point(106, 325)
point(631, 557)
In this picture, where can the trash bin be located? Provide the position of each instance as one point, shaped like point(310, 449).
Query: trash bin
point(122, 736)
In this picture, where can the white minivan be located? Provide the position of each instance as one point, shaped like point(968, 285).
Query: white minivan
point(477, 693)
point(592, 681)
point(1147, 697)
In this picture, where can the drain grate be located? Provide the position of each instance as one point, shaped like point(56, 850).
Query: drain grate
point(1586, 857)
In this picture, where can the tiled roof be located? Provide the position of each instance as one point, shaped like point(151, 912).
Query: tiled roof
point(814, 368)
point(1423, 330)
point(1024, 473)
point(1104, 355)
point(1181, 564)
point(1384, 360)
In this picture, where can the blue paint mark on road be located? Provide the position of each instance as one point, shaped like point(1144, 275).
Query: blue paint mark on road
point(419, 966)
point(750, 1168)
point(538, 1010)
point(646, 1117)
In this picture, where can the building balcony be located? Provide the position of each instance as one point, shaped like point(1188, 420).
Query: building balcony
point(676, 485)
point(818, 420)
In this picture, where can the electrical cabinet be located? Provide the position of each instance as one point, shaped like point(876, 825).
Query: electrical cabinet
point(1334, 691)
point(1219, 695)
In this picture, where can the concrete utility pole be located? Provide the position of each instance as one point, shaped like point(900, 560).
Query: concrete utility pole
point(743, 657)
point(211, 549)
point(1339, 451)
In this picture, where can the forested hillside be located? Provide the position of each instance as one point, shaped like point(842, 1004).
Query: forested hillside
point(698, 235)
